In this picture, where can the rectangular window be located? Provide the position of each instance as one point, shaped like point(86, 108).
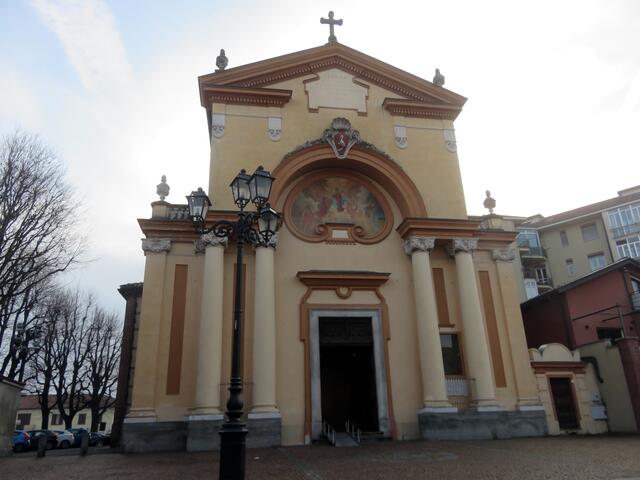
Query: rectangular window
point(597, 261)
point(564, 240)
point(24, 418)
point(82, 419)
point(541, 275)
point(635, 285)
point(589, 232)
point(102, 427)
point(571, 269)
point(628, 247)
point(609, 333)
point(56, 419)
point(451, 354)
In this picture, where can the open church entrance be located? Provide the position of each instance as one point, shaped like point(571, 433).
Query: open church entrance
point(347, 373)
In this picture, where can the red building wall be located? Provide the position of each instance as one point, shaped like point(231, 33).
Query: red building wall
point(544, 322)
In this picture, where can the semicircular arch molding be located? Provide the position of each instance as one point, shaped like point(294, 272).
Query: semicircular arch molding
point(383, 171)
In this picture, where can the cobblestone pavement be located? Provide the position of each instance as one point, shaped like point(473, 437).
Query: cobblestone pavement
point(602, 457)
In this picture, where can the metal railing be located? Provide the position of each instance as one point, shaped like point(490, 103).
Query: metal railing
point(459, 391)
point(625, 230)
point(528, 251)
point(329, 432)
point(353, 431)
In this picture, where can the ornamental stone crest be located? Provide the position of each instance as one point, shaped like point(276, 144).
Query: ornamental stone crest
point(341, 136)
point(419, 244)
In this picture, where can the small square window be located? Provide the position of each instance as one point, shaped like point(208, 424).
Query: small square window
point(589, 232)
point(82, 419)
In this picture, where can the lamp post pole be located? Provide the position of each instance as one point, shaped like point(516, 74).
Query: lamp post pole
point(255, 228)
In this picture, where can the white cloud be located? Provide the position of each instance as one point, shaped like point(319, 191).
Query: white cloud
point(90, 39)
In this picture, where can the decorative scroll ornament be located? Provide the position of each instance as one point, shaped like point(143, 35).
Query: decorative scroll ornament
point(400, 136)
point(341, 137)
point(503, 254)
point(274, 128)
point(450, 140)
point(418, 244)
point(156, 245)
point(272, 243)
point(466, 245)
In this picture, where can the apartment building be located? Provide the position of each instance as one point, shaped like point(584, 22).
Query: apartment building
point(583, 240)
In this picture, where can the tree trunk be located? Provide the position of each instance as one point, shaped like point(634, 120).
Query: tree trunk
point(45, 417)
point(95, 417)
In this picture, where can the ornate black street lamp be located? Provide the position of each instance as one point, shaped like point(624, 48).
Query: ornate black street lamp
point(256, 228)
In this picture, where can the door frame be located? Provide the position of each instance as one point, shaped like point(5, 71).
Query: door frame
point(379, 363)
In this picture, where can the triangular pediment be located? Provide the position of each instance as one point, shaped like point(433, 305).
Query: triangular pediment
point(257, 77)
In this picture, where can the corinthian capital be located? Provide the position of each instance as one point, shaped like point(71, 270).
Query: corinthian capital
point(156, 245)
point(462, 245)
point(209, 240)
point(419, 244)
point(272, 243)
point(503, 254)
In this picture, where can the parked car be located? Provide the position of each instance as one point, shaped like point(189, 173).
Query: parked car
point(52, 438)
point(65, 438)
point(99, 439)
point(21, 441)
point(77, 435)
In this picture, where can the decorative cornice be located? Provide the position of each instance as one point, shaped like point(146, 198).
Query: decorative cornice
point(156, 245)
point(233, 95)
point(313, 60)
point(209, 240)
point(412, 108)
point(440, 228)
point(342, 278)
point(503, 254)
point(419, 244)
point(466, 245)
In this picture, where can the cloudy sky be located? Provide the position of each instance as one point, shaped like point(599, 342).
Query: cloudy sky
point(552, 121)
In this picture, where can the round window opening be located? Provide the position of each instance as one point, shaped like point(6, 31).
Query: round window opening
point(338, 200)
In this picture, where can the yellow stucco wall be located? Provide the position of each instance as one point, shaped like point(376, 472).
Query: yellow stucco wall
point(36, 419)
point(578, 249)
point(434, 169)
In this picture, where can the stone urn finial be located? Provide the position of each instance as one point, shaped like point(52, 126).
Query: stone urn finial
point(489, 203)
point(221, 61)
point(162, 190)
point(438, 79)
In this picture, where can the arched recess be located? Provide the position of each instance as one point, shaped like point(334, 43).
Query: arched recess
point(372, 164)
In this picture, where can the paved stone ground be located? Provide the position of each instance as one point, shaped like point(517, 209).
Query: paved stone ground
point(601, 457)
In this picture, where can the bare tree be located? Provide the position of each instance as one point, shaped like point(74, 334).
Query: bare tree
point(103, 344)
point(71, 354)
point(38, 239)
point(43, 363)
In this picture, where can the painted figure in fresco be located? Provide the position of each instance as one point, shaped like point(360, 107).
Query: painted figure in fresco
point(337, 200)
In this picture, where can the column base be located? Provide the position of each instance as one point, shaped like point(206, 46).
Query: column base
point(144, 434)
point(473, 424)
point(202, 432)
point(265, 429)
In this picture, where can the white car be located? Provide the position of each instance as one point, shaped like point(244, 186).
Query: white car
point(65, 439)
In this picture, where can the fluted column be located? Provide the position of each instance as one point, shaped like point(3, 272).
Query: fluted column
point(144, 382)
point(264, 332)
point(475, 338)
point(208, 374)
point(434, 389)
point(524, 378)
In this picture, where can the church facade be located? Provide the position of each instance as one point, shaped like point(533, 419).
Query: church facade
point(380, 303)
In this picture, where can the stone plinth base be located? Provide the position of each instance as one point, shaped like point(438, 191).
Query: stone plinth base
point(264, 430)
point(475, 425)
point(202, 432)
point(142, 437)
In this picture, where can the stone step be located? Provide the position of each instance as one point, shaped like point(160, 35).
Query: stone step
point(344, 440)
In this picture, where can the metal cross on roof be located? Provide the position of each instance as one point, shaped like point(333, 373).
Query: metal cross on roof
point(331, 22)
